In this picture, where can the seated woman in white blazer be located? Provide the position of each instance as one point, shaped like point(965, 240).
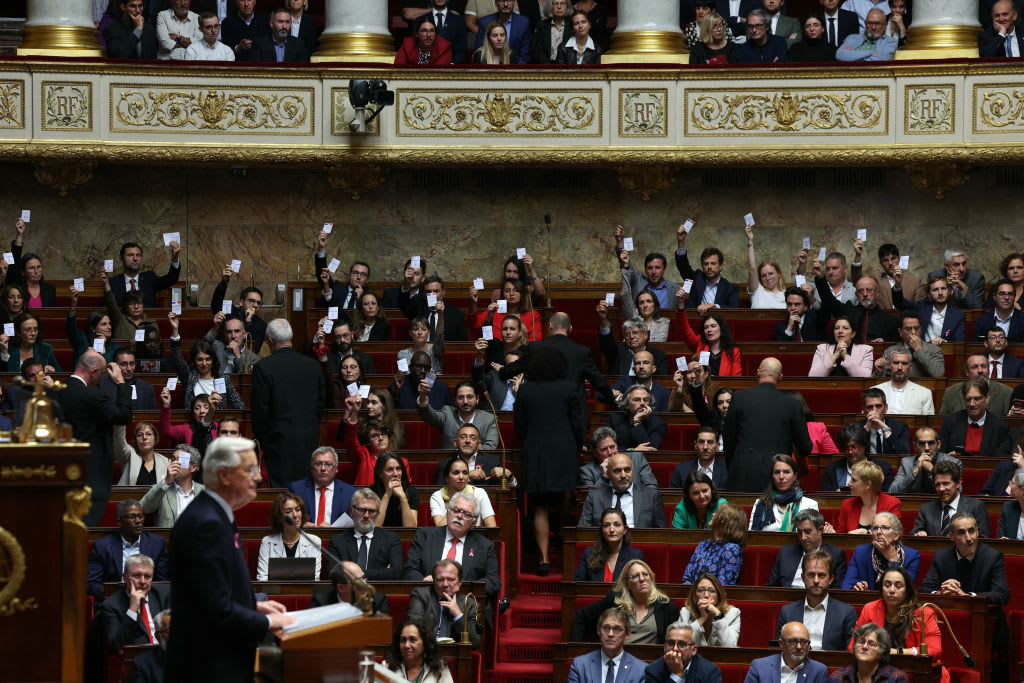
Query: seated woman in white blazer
point(843, 358)
point(286, 541)
point(714, 620)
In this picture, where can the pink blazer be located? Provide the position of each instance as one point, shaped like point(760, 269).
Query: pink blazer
point(859, 360)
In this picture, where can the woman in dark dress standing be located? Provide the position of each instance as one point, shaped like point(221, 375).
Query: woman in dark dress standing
point(551, 426)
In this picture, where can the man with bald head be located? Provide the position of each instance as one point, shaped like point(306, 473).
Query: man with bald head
point(871, 45)
point(93, 415)
point(976, 367)
point(641, 505)
point(1002, 39)
point(870, 322)
point(761, 422)
point(792, 664)
point(644, 367)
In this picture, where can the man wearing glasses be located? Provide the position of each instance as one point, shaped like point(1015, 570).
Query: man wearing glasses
point(761, 46)
point(975, 430)
point(681, 661)
point(457, 541)
point(209, 49)
point(792, 665)
point(250, 301)
point(915, 475)
point(872, 45)
point(131, 36)
point(610, 664)
point(378, 552)
point(325, 497)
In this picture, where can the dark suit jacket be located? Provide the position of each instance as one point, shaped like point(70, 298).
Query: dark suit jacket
point(122, 43)
point(384, 559)
point(92, 416)
point(954, 324)
point(987, 576)
point(627, 436)
point(233, 30)
point(683, 469)
point(813, 329)
point(295, 50)
point(880, 323)
point(987, 320)
point(840, 620)
point(146, 395)
point(761, 422)
point(991, 44)
point(519, 37)
point(929, 517)
point(423, 605)
point(580, 366)
point(648, 508)
point(487, 380)
point(120, 630)
point(149, 284)
point(149, 666)
point(308, 31)
point(830, 480)
point(484, 461)
point(996, 483)
point(974, 297)
point(1009, 520)
point(727, 296)
point(700, 669)
point(479, 561)
point(340, 500)
point(541, 53)
point(626, 553)
point(788, 560)
point(105, 560)
point(257, 327)
point(773, 52)
point(584, 624)
point(847, 23)
point(738, 29)
point(287, 401)
point(216, 627)
point(659, 393)
point(620, 359)
point(898, 440)
point(454, 318)
point(1011, 367)
point(995, 435)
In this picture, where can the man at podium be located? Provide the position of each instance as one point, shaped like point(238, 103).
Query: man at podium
point(217, 622)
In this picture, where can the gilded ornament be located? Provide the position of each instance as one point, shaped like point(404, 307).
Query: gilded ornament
point(12, 575)
point(357, 180)
point(1001, 108)
point(38, 472)
point(929, 109)
point(12, 104)
point(73, 472)
point(938, 178)
point(76, 505)
point(643, 113)
point(67, 106)
point(222, 110)
point(506, 113)
point(646, 180)
point(63, 176)
point(786, 111)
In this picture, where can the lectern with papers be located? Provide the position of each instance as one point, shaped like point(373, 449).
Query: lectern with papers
point(324, 642)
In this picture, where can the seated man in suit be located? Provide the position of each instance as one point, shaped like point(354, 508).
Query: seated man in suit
point(1001, 364)
point(135, 279)
point(781, 25)
point(377, 552)
point(517, 28)
point(341, 348)
point(611, 662)
point(405, 390)
point(280, 45)
point(107, 559)
point(941, 320)
point(1003, 315)
point(710, 289)
point(341, 577)
point(149, 666)
point(502, 392)
point(167, 499)
point(935, 516)
point(926, 357)
point(788, 570)
point(411, 285)
point(975, 430)
point(442, 604)
point(829, 621)
point(449, 419)
point(916, 471)
point(635, 336)
point(641, 505)
point(886, 434)
point(604, 446)
point(706, 445)
point(902, 396)
point(802, 322)
point(131, 36)
point(1002, 39)
point(793, 663)
point(872, 45)
point(636, 426)
point(325, 497)
point(643, 375)
point(880, 325)
point(455, 541)
point(239, 29)
point(419, 306)
point(484, 468)
point(853, 440)
point(681, 659)
point(143, 394)
point(838, 24)
point(966, 285)
point(128, 616)
point(976, 367)
point(336, 293)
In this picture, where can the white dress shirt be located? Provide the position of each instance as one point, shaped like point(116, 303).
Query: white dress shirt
point(787, 675)
point(448, 545)
point(575, 46)
point(935, 324)
point(184, 498)
point(129, 549)
point(328, 495)
point(814, 620)
point(201, 51)
point(166, 24)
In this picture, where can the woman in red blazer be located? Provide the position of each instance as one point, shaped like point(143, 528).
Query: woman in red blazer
point(425, 44)
point(866, 499)
point(715, 337)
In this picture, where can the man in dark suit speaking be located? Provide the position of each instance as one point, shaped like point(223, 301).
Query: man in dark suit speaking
point(217, 622)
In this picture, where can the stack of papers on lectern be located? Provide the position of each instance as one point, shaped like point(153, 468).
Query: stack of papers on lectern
point(318, 616)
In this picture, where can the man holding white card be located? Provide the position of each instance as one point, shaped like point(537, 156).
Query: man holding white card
point(250, 301)
point(412, 282)
point(228, 336)
point(339, 293)
point(894, 275)
point(450, 418)
point(167, 499)
point(424, 305)
point(871, 323)
point(133, 278)
point(710, 288)
point(287, 402)
point(653, 277)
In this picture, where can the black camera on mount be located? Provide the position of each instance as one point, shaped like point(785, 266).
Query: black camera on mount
point(363, 92)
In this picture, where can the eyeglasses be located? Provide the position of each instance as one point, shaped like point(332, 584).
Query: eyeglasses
point(796, 642)
point(459, 512)
point(252, 470)
point(863, 642)
point(320, 465)
point(885, 528)
point(366, 512)
point(258, 302)
point(377, 436)
point(211, 27)
point(677, 644)
point(615, 630)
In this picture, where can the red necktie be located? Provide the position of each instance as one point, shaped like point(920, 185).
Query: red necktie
point(995, 369)
point(451, 551)
point(321, 508)
point(144, 618)
point(134, 287)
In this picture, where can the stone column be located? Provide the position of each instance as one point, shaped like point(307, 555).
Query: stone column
point(942, 29)
point(60, 27)
point(648, 32)
point(356, 31)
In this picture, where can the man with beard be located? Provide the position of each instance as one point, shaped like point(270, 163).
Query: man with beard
point(829, 621)
point(280, 45)
point(901, 395)
point(378, 552)
point(915, 475)
point(872, 45)
point(405, 390)
point(926, 357)
point(484, 468)
point(793, 664)
point(643, 375)
point(442, 604)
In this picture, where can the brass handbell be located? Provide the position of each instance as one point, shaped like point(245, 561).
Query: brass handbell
point(39, 425)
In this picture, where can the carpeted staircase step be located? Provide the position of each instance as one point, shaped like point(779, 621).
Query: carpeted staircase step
point(531, 584)
point(505, 672)
point(528, 645)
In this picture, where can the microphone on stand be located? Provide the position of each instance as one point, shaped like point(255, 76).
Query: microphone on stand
point(968, 660)
point(358, 583)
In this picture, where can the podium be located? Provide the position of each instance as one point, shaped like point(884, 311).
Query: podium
point(43, 553)
point(331, 652)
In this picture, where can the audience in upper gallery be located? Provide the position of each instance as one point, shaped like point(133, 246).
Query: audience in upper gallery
point(707, 610)
point(813, 45)
point(130, 36)
point(831, 619)
point(706, 444)
point(710, 288)
point(304, 25)
point(898, 21)
point(761, 46)
point(715, 338)
point(581, 47)
point(450, 24)
point(636, 593)
point(872, 45)
point(285, 539)
point(424, 47)
point(1004, 314)
point(764, 280)
point(885, 551)
point(693, 30)
point(776, 510)
point(915, 473)
point(551, 33)
point(838, 23)
point(517, 29)
point(809, 525)
point(779, 24)
point(699, 502)
point(209, 49)
point(476, 9)
point(714, 45)
point(1001, 37)
point(239, 29)
point(176, 29)
point(976, 367)
point(722, 554)
point(605, 560)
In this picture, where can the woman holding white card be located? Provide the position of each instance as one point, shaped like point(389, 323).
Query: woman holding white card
point(764, 283)
point(141, 465)
point(715, 338)
point(201, 375)
point(366, 441)
point(200, 429)
point(98, 331)
point(423, 340)
point(520, 268)
point(27, 343)
point(516, 301)
point(29, 272)
point(843, 358)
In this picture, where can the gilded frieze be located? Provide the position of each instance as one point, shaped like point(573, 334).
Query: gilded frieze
point(929, 109)
point(67, 105)
point(643, 112)
point(12, 104)
point(999, 108)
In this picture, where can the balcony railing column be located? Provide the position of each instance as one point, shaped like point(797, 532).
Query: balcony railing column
point(356, 31)
point(60, 28)
point(648, 33)
point(942, 29)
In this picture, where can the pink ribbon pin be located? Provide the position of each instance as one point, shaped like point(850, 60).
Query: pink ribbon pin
point(237, 546)
point(471, 552)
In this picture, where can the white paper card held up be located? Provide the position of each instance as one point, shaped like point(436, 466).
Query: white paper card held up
point(225, 307)
point(352, 388)
point(26, 215)
point(681, 362)
point(502, 306)
point(431, 299)
point(171, 237)
point(609, 298)
point(414, 262)
point(236, 265)
point(749, 219)
point(821, 254)
point(688, 225)
point(687, 285)
point(108, 265)
point(805, 243)
point(627, 244)
point(403, 366)
point(705, 358)
point(364, 391)
point(184, 459)
point(862, 234)
point(520, 252)
point(140, 335)
point(79, 284)
point(99, 344)
point(332, 312)
point(9, 329)
point(328, 227)
point(801, 280)
point(172, 383)
point(430, 378)
point(487, 333)
point(220, 386)
point(135, 394)
point(478, 283)
point(333, 265)
point(176, 307)
point(8, 258)
point(904, 262)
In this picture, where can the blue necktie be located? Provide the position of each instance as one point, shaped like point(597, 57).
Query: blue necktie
point(1009, 45)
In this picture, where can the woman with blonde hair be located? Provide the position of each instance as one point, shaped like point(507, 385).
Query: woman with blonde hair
point(636, 593)
point(715, 45)
point(495, 49)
